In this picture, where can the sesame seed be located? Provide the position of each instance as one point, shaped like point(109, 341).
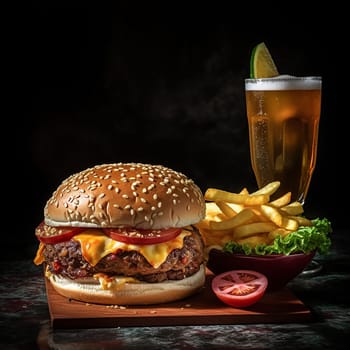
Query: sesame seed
point(125, 196)
point(134, 185)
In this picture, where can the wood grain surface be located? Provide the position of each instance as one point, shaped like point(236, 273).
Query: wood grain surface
point(204, 308)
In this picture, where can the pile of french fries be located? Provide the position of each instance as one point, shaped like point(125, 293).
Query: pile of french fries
point(249, 218)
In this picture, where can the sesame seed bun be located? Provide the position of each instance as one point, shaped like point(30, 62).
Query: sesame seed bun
point(126, 194)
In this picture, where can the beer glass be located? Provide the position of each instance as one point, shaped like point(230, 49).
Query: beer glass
point(283, 118)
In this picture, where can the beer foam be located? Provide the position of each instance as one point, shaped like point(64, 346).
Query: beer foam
point(284, 82)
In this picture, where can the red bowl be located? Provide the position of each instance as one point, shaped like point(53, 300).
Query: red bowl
point(279, 269)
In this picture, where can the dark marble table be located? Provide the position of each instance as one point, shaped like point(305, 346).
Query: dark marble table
point(25, 321)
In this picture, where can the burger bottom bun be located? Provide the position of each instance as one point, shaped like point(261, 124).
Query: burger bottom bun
point(142, 293)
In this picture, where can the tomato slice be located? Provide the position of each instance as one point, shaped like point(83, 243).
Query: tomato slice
point(142, 236)
point(52, 235)
point(239, 288)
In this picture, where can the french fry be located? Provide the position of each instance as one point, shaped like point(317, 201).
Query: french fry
point(278, 232)
point(213, 194)
point(241, 218)
point(236, 207)
point(211, 209)
point(302, 221)
point(226, 209)
point(244, 191)
point(210, 238)
point(273, 214)
point(290, 224)
point(269, 189)
point(258, 199)
point(252, 229)
point(276, 217)
point(282, 201)
point(294, 208)
point(253, 241)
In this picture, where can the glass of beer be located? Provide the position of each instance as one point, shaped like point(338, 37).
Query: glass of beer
point(283, 117)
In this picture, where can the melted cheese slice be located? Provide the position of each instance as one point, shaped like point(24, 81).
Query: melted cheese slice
point(39, 257)
point(95, 245)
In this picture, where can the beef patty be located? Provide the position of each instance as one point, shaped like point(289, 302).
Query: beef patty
point(65, 259)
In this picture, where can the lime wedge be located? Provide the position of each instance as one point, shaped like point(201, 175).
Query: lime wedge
point(261, 63)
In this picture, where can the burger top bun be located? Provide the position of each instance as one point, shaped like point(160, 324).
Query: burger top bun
point(126, 194)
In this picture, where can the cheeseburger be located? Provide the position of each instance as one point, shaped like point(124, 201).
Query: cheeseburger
point(123, 234)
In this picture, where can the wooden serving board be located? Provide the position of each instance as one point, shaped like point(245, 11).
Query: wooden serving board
point(201, 309)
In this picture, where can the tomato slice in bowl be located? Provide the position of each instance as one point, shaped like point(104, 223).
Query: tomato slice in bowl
point(52, 235)
point(239, 288)
point(131, 235)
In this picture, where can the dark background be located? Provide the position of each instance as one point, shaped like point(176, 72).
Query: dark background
point(110, 86)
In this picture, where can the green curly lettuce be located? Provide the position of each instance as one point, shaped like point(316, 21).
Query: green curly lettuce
point(305, 240)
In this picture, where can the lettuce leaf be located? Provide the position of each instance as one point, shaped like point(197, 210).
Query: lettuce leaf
point(305, 240)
